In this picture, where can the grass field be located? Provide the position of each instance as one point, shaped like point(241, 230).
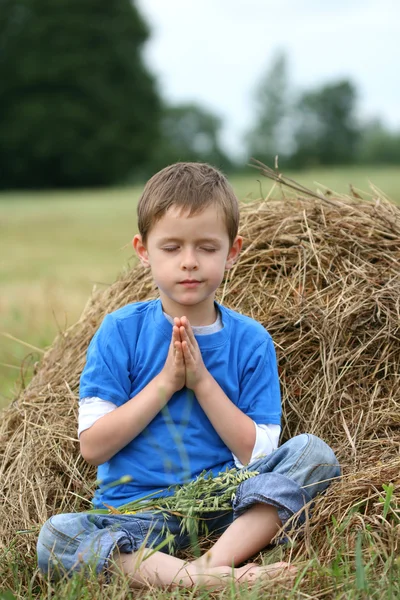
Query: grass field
point(55, 246)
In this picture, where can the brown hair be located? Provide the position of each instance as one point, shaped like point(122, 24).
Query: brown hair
point(191, 187)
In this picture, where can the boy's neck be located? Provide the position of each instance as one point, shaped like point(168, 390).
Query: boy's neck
point(204, 313)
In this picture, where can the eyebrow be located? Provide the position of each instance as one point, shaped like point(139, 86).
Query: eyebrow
point(209, 240)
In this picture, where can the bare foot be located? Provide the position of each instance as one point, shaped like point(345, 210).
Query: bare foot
point(217, 578)
point(253, 573)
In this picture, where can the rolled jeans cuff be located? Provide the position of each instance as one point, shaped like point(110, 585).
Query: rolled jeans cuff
point(273, 489)
point(70, 542)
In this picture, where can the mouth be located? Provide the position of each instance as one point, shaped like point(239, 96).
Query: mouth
point(190, 283)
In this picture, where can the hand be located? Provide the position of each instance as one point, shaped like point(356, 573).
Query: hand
point(196, 370)
point(174, 372)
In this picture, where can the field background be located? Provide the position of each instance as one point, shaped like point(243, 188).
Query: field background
point(54, 247)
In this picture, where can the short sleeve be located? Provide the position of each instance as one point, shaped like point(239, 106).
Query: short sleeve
point(260, 396)
point(106, 373)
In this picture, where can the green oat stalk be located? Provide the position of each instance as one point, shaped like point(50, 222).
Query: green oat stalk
point(192, 501)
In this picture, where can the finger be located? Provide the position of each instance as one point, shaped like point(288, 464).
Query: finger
point(184, 335)
point(176, 335)
point(187, 325)
point(187, 353)
point(191, 343)
point(189, 333)
point(178, 354)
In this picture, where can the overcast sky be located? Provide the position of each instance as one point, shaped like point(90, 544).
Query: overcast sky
point(215, 51)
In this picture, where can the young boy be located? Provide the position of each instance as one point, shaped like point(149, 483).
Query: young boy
point(179, 385)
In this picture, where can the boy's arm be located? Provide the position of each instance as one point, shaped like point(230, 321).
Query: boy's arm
point(234, 427)
point(267, 440)
point(113, 431)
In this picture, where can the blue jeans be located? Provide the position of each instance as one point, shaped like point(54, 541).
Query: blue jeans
point(288, 479)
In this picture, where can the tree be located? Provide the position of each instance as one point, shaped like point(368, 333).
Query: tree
point(378, 145)
point(191, 133)
point(77, 105)
point(326, 131)
point(268, 138)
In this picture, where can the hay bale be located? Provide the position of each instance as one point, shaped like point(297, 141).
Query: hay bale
point(323, 276)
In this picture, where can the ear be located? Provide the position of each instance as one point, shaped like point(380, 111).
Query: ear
point(140, 250)
point(234, 252)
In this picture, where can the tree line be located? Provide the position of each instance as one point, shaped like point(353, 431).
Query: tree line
point(315, 127)
point(79, 107)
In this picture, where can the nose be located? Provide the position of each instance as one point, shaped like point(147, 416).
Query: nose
point(189, 260)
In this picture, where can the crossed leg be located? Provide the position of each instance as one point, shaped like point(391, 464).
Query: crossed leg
point(246, 536)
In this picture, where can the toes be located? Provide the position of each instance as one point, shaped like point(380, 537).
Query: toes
point(279, 569)
point(252, 573)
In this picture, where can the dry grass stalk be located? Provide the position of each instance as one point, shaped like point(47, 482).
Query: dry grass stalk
point(323, 276)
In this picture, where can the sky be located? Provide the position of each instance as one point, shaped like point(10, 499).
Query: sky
point(215, 52)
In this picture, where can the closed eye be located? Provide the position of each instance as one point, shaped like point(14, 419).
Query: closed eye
point(209, 249)
point(170, 248)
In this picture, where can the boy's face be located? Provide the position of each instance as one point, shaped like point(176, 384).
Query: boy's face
point(188, 257)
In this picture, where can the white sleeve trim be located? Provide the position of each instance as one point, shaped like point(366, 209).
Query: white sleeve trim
point(267, 440)
point(91, 410)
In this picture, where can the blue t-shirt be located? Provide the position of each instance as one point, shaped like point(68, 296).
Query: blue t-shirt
point(129, 350)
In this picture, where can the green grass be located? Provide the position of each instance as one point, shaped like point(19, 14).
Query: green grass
point(367, 573)
point(362, 563)
point(55, 246)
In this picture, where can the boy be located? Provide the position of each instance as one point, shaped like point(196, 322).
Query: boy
point(179, 385)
